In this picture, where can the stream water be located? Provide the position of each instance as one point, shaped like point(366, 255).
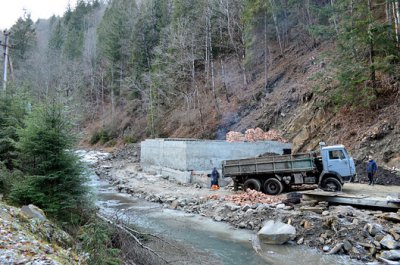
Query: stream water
point(219, 241)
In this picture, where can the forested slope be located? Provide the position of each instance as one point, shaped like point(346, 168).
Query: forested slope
point(315, 70)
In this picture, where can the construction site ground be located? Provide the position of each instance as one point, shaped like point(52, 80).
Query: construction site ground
point(335, 229)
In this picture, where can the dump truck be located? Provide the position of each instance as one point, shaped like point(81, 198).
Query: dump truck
point(274, 174)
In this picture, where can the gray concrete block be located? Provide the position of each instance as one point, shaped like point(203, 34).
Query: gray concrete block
point(187, 155)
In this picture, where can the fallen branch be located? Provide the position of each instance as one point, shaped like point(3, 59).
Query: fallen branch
point(152, 235)
point(121, 227)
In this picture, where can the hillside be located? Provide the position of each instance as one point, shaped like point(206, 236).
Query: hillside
point(130, 70)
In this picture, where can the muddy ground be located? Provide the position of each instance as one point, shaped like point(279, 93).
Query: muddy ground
point(366, 235)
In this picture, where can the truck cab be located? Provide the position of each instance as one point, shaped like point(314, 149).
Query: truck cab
point(337, 163)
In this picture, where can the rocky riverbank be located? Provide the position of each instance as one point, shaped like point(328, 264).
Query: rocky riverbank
point(365, 235)
point(27, 237)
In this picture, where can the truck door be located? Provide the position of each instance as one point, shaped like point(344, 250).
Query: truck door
point(338, 162)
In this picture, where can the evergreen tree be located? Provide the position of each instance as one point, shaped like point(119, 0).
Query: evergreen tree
point(12, 113)
point(55, 179)
point(56, 40)
point(75, 30)
point(365, 54)
point(23, 37)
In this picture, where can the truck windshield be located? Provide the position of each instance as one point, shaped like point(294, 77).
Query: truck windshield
point(345, 153)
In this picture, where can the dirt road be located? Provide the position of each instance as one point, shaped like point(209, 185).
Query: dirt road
point(372, 191)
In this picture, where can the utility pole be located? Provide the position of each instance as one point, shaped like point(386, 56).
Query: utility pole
point(5, 47)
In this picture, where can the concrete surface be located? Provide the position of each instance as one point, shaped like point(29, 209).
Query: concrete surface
point(189, 154)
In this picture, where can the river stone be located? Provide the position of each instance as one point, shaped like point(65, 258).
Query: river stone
point(218, 218)
point(246, 207)
point(326, 248)
point(374, 229)
point(391, 254)
point(388, 242)
point(174, 204)
point(233, 207)
point(33, 211)
point(280, 206)
point(395, 234)
point(337, 248)
point(347, 246)
point(300, 241)
point(242, 225)
point(325, 213)
point(276, 233)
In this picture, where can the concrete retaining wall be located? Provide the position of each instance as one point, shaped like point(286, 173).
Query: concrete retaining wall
point(199, 155)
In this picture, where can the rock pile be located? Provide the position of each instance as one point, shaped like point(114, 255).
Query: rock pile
point(254, 135)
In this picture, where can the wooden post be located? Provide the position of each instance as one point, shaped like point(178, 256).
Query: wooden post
point(5, 46)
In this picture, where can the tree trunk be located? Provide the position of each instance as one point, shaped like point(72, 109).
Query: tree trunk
point(396, 15)
point(266, 51)
point(334, 18)
point(371, 49)
point(389, 17)
point(211, 59)
point(224, 81)
point(278, 35)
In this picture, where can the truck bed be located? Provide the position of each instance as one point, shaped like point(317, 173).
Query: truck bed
point(269, 164)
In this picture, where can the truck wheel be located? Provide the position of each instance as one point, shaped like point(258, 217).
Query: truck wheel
point(331, 184)
point(253, 184)
point(273, 186)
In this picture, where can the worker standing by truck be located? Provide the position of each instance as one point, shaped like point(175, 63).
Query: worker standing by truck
point(214, 179)
point(371, 170)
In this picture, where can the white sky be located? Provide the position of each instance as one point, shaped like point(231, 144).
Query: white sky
point(11, 10)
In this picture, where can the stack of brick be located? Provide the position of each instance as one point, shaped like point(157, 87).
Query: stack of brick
point(254, 135)
point(235, 137)
point(250, 197)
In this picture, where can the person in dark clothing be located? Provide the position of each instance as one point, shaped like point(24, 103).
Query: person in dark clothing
point(371, 170)
point(214, 177)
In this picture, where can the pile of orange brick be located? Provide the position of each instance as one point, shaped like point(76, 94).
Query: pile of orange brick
point(250, 197)
point(254, 135)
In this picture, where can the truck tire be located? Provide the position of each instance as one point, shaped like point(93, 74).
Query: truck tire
point(331, 184)
point(273, 186)
point(253, 184)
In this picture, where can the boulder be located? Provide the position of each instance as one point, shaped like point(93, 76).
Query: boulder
point(276, 233)
point(33, 211)
point(391, 254)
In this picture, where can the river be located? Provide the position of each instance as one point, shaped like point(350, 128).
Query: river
point(217, 242)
